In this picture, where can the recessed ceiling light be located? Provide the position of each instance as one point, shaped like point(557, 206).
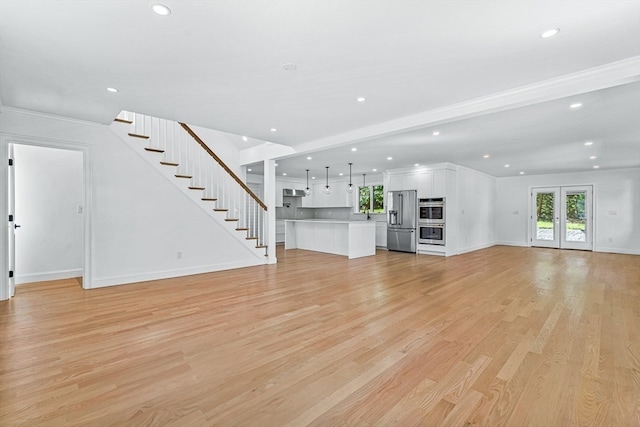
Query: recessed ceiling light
point(341, 174)
point(112, 89)
point(245, 139)
point(313, 177)
point(596, 167)
point(274, 130)
point(575, 105)
point(486, 156)
point(417, 164)
point(436, 133)
point(354, 149)
point(249, 170)
point(593, 157)
point(375, 170)
point(284, 174)
point(276, 165)
point(308, 157)
point(161, 9)
point(361, 99)
point(389, 158)
point(588, 143)
point(550, 33)
point(507, 166)
point(521, 172)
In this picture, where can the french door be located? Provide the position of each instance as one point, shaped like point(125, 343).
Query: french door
point(562, 217)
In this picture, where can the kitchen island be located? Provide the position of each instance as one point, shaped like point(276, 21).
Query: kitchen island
point(353, 239)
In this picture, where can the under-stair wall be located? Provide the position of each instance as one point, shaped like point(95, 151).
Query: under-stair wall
point(179, 154)
point(138, 220)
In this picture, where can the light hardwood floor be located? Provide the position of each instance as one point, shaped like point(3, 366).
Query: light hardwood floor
point(504, 336)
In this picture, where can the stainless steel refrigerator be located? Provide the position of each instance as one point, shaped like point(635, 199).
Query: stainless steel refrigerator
point(402, 212)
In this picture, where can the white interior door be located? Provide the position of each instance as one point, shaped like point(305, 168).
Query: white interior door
point(562, 217)
point(12, 223)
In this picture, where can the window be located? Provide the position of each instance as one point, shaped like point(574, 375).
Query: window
point(369, 204)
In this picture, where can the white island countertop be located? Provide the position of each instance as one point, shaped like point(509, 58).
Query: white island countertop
point(353, 239)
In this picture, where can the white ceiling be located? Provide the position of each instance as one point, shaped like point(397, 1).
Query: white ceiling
point(218, 64)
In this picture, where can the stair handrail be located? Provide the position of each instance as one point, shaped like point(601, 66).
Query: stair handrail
point(223, 165)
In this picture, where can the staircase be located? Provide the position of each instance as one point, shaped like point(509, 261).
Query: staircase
point(174, 146)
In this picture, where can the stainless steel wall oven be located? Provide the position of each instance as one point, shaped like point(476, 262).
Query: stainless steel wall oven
point(431, 234)
point(431, 210)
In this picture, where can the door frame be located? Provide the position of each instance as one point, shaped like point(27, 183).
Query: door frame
point(561, 229)
point(5, 140)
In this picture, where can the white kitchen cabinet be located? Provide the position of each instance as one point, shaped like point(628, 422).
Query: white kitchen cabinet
point(412, 181)
point(396, 182)
point(280, 231)
point(439, 188)
point(381, 234)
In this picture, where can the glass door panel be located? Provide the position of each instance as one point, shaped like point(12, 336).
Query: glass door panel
point(576, 218)
point(545, 217)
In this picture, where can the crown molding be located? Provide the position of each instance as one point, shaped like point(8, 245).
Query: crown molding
point(50, 116)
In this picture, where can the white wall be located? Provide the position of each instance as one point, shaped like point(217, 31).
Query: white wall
point(48, 193)
point(139, 220)
point(476, 210)
point(614, 191)
point(223, 144)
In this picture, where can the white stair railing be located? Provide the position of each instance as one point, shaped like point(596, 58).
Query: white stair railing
point(194, 160)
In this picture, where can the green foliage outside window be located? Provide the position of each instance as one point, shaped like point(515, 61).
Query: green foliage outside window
point(368, 204)
point(364, 204)
point(378, 199)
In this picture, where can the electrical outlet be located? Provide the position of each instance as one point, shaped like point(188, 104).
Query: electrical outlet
point(179, 255)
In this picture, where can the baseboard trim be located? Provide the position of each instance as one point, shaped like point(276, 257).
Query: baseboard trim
point(476, 248)
point(617, 251)
point(507, 243)
point(167, 274)
point(50, 275)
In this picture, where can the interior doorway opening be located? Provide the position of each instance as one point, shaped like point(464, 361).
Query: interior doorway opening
point(48, 201)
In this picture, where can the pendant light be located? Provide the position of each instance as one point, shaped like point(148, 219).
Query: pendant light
point(350, 187)
point(364, 176)
point(307, 190)
point(327, 190)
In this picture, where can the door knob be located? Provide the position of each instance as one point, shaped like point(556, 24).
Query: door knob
point(17, 226)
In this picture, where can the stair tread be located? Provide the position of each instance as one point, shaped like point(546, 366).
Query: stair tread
point(183, 176)
point(136, 135)
point(220, 210)
point(123, 120)
point(168, 163)
point(242, 229)
point(251, 238)
point(231, 219)
point(261, 246)
point(209, 199)
point(155, 150)
point(196, 188)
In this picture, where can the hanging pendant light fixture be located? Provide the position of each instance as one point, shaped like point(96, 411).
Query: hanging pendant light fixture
point(327, 189)
point(350, 187)
point(307, 190)
point(364, 176)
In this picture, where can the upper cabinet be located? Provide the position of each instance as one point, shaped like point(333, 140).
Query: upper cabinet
point(427, 182)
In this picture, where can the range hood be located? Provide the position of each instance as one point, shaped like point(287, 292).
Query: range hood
point(289, 192)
